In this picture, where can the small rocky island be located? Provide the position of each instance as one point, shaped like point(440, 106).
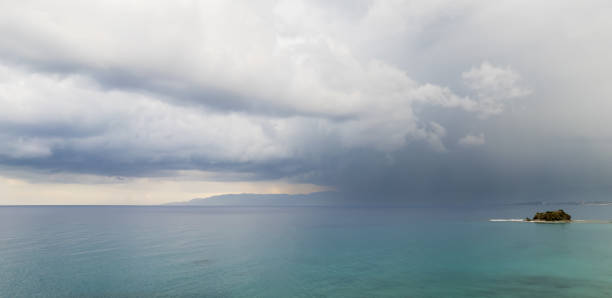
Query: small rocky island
point(551, 216)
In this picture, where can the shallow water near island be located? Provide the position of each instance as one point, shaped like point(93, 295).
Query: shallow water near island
point(76, 251)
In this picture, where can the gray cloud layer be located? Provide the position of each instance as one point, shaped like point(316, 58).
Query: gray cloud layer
point(417, 99)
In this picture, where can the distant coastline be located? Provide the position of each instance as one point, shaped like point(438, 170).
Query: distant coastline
point(570, 203)
point(249, 199)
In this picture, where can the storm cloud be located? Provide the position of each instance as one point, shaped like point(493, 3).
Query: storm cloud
point(414, 100)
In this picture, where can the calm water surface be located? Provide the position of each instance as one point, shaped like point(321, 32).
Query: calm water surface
point(301, 252)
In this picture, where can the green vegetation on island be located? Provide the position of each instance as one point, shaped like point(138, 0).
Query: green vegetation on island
point(558, 215)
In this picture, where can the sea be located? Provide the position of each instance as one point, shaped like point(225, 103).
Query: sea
point(333, 251)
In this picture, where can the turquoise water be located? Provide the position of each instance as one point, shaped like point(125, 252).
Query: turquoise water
point(301, 252)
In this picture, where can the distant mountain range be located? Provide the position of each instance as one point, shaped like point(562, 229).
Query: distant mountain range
point(329, 198)
point(325, 198)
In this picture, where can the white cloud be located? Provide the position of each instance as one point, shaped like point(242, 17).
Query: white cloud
point(493, 85)
point(47, 112)
point(71, 113)
point(471, 140)
point(264, 57)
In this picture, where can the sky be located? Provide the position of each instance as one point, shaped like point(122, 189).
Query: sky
point(147, 102)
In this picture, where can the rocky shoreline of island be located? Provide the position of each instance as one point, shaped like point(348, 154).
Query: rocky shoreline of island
point(559, 216)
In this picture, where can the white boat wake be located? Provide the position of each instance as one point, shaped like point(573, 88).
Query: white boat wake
point(540, 221)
